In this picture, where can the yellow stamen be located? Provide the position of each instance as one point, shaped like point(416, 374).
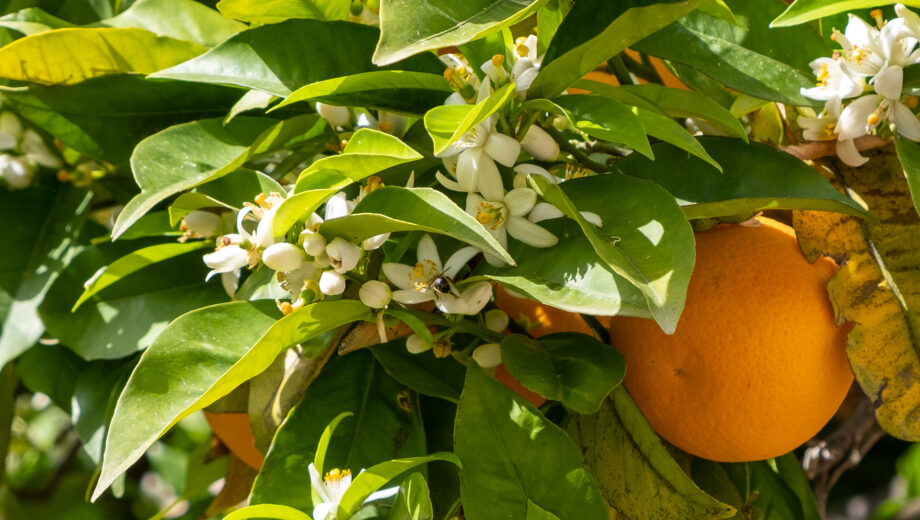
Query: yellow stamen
point(336, 474)
point(385, 126)
point(449, 74)
point(876, 15)
point(827, 131)
point(286, 308)
point(418, 271)
point(521, 50)
point(872, 119)
point(910, 101)
point(497, 60)
point(262, 200)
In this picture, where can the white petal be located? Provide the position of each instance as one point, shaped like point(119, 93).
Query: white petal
point(331, 283)
point(503, 148)
point(853, 118)
point(10, 129)
point(906, 122)
point(227, 258)
point(325, 511)
point(530, 233)
point(888, 82)
point(265, 233)
point(428, 252)
point(317, 480)
point(451, 304)
point(485, 90)
point(455, 99)
point(375, 242)
point(337, 207)
point(15, 171)
point(314, 244)
point(849, 154)
point(477, 296)
point(382, 494)
point(202, 223)
point(592, 218)
point(524, 80)
point(489, 181)
point(416, 345)
point(497, 320)
point(448, 183)
point(33, 146)
point(399, 275)
point(544, 211)
point(343, 254)
point(520, 201)
point(458, 260)
point(495, 74)
point(533, 169)
point(284, 257)
point(375, 294)
point(230, 281)
point(468, 168)
point(472, 203)
point(408, 297)
point(337, 116)
point(540, 144)
point(488, 355)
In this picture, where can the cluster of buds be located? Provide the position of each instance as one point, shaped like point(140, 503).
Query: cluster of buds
point(23, 151)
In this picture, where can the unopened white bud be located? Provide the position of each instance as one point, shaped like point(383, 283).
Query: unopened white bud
point(337, 116)
point(375, 294)
point(375, 241)
point(540, 144)
point(202, 223)
point(497, 320)
point(283, 257)
point(488, 355)
point(15, 171)
point(322, 260)
point(11, 129)
point(343, 255)
point(331, 283)
point(416, 345)
point(313, 243)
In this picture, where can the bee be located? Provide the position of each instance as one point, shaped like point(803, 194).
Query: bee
point(442, 286)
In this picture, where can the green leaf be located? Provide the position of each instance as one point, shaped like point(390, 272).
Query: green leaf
point(791, 473)
point(271, 57)
point(448, 123)
point(274, 511)
point(94, 397)
point(754, 177)
point(423, 372)
point(802, 11)
point(377, 476)
point(106, 117)
point(180, 19)
point(672, 132)
point(535, 512)
point(142, 306)
point(573, 368)
point(200, 357)
point(909, 155)
point(32, 20)
point(412, 502)
point(392, 208)
point(442, 23)
point(136, 261)
point(230, 191)
point(511, 454)
point(51, 370)
point(297, 206)
point(764, 490)
point(323, 446)
point(603, 118)
point(44, 223)
point(595, 31)
point(274, 11)
point(184, 156)
point(352, 383)
point(90, 53)
point(737, 58)
point(367, 152)
point(645, 238)
point(634, 471)
point(398, 90)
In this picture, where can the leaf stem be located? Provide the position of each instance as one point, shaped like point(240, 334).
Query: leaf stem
point(579, 155)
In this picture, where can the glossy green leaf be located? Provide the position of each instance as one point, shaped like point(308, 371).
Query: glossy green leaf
point(573, 368)
point(764, 490)
point(497, 435)
point(754, 177)
point(569, 276)
point(595, 31)
point(8, 389)
point(424, 373)
point(352, 383)
point(367, 152)
point(297, 206)
point(791, 473)
point(106, 117)
point(734, 57)
point(273, 511)
point(52, 370)
point(448, 123)
point(606, 119)
point(44, 225)
point(90, 53)
point(142, 305)
point(442, 23)
point(397, 90)
point(412, 502)
point(180, 19)
point(230, 191)
point(802, 11)
point(274, 11)
point(32, 20)
point(535, 512)
point(666, 129)
point(136, 261)
point(634, 471)
point(909, 155)
point(645, 237)
point(271, 57)
point(391, 209)
point(323, 446)
point(95, 394)
point(200, 357)
point(378, 475)
point(184, 156)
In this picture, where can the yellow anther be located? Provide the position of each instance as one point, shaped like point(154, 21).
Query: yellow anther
point(462, 71)
point(910, 101)
point(262, 200)
point(827, 131)
point(286, 308)
point(520, 40)
point(872, 119)
point(497, 60)
point(385, 126)
point(418, 271)
point(876, 15)
point(336, 475)
point(521, 50)
point(483, 218)
point(449, 74)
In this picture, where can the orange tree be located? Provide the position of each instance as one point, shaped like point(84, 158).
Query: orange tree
point(339, 259)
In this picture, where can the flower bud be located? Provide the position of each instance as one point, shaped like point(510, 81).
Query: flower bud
point(343, 255)
point(202, 223)
point(11, 129)
point(331, 283)
point(375, 241)
point(375, 294)
point(337, 116)
point(416, 345)
point(540, 144)
point(15, 171)
point(313, 243)
point(322, 260)
point(283, 257)
point(488, 355)
point(497, 320)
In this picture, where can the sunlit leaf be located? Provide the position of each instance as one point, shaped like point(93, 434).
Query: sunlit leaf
point(448, 123)
point(274, 11)
point(180, 19)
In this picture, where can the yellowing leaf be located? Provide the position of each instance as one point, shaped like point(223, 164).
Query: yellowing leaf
point(69, 56)
point(877, 287)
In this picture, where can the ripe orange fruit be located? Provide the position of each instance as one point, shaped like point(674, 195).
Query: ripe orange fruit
point(539, 319)
point(757, 365)
point(234, 431)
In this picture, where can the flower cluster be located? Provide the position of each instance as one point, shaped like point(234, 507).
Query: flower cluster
point(23, 150)
point(869, 67)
